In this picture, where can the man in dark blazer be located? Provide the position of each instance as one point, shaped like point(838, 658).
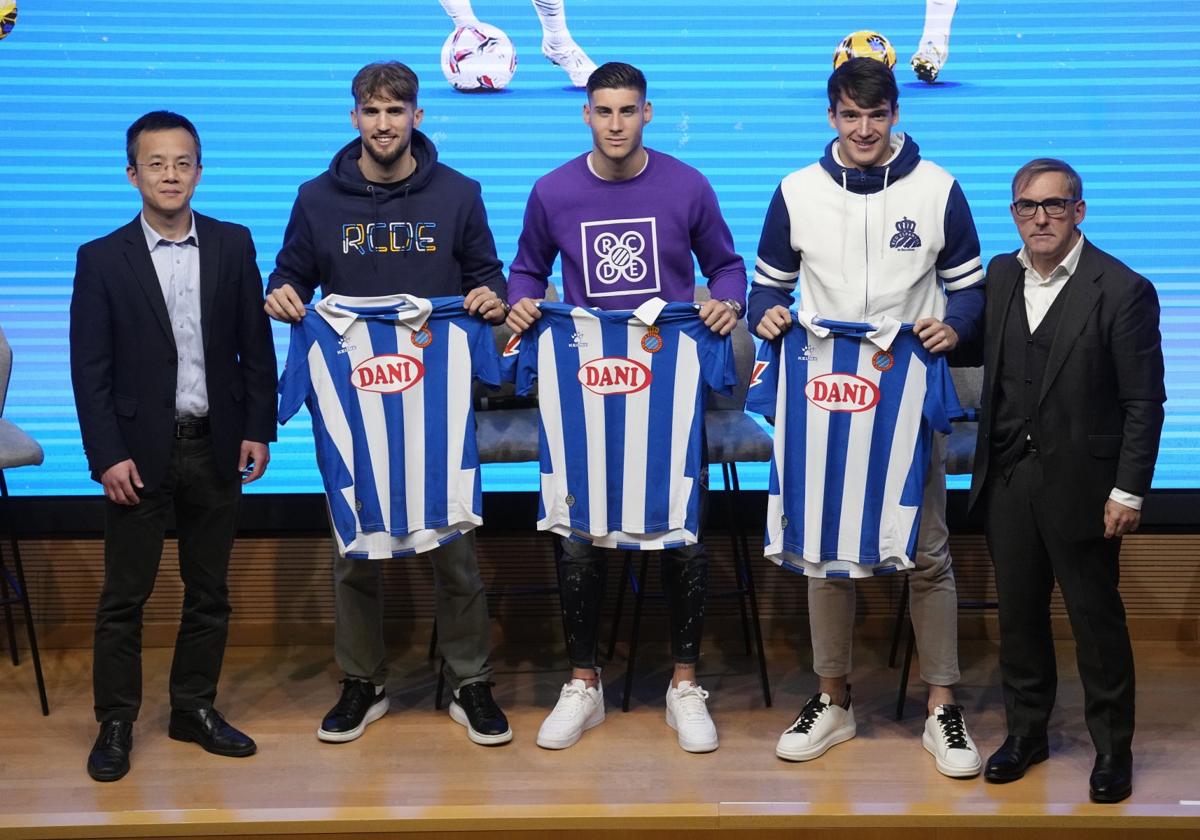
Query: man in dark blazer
point(173, 369)
point(1068, 436)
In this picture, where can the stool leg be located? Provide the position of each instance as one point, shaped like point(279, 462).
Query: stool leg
point(735, 530)
point(622, 581)
point(748, 576)
point(24, 593)
point(898, 624)
point(639, 593)
point(441, 686)
point(5, 596)
point(908, 655)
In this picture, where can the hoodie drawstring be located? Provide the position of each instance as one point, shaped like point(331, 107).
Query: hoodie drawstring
point(883, 225)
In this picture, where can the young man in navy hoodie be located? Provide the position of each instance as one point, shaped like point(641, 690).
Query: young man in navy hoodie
point(870, 231)
point(387, 218)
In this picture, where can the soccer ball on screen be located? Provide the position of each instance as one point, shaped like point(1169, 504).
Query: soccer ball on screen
point(864, 44)
point(8, 17)
point(478, 57)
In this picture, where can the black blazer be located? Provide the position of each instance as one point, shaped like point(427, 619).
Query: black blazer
point(1100, 412)
point(124, 361)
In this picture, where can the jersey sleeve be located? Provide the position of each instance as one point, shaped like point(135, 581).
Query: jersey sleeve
point(485, 362)
point(294, 383)
point(521, 356)
point(941, 400)
point(764, 379)
point(720, 373)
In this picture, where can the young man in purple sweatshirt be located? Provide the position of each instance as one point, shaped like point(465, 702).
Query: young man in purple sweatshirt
point(626, 221)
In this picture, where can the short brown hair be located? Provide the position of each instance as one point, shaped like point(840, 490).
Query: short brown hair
point(1040, 166)
point(387, 78)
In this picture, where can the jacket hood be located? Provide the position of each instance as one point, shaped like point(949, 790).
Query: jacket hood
point(349, 178)
point(904, 159)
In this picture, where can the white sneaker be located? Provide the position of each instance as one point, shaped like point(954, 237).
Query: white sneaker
point(579, 708)
point(947, 740)
point(928, 61)
point(688, 716)
point(571, 58)
point(819, 726)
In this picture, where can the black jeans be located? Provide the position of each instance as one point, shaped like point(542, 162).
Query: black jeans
point(581, 575)
point(205, 502)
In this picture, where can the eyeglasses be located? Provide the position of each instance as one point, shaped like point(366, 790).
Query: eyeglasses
point(158, 167)
point(1054, 207)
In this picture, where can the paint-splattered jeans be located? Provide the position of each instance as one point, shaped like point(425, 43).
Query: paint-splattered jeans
point(581, 575)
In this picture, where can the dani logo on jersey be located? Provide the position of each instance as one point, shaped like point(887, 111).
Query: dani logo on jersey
point(841, 392)
point(614, 375)
point(389, 373)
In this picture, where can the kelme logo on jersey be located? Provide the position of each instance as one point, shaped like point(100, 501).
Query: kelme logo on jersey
point(841, 392)
point(389, 373)
point(614, 375)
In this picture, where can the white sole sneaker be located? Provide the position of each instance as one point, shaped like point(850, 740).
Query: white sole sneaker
point(949, 769)
point(459, 715)
point(691, 746)
point(376, 710)
point(838, 736)
point(548, 743)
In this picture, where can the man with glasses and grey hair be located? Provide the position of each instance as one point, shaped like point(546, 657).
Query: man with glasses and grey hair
point(1069, 431)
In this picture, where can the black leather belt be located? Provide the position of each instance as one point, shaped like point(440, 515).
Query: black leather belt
point(192, 428)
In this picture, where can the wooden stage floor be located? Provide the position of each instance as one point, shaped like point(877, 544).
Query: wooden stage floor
point(414, 773)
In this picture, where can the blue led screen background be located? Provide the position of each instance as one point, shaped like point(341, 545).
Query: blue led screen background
point(738, 91)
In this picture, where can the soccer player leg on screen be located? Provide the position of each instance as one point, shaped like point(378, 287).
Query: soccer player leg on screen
point(934, 46)
point(557, 43)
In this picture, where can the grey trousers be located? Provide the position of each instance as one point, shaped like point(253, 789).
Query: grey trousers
point(933, 599)
point(463, 626)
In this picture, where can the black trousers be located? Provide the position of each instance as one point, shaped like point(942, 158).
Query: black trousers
point(205, 502)
point(1029, 555)
point(582, 571)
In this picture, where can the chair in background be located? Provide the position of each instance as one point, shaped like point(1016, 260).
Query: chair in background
point(17, 449)
point(732, 436)
point(960, 459)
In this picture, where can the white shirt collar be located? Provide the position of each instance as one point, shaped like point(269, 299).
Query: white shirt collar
point(340, 311)
point(153, 237)
point(1064, 270)
point(886, 328)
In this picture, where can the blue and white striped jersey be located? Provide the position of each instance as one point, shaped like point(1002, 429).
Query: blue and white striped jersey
point(855, 407)
point(388, 383)
point(621, 396)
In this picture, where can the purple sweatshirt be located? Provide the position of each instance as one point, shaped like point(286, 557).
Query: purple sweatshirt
point(623, 242)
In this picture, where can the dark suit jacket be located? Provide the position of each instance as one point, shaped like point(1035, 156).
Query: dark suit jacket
point(1100, 411)
point(124, 360)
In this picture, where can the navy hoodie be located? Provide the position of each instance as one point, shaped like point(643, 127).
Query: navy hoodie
point(427, 235)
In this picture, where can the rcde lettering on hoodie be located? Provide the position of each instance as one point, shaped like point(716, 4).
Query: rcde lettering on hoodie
point(426, 236)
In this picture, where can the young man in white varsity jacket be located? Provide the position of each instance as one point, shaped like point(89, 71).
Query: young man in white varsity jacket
point(873, 230)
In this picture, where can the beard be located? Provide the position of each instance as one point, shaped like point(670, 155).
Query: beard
point(385, 159)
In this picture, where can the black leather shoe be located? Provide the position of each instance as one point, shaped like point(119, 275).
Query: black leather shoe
point(474, 707)
point(1112, 777)
point(109, 758)
point(208, 729)
point(1014, 757)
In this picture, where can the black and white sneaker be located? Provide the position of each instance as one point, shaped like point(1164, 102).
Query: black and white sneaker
point(947, 740)
point(361, 703)
point(474, 708)
point(820, 725)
